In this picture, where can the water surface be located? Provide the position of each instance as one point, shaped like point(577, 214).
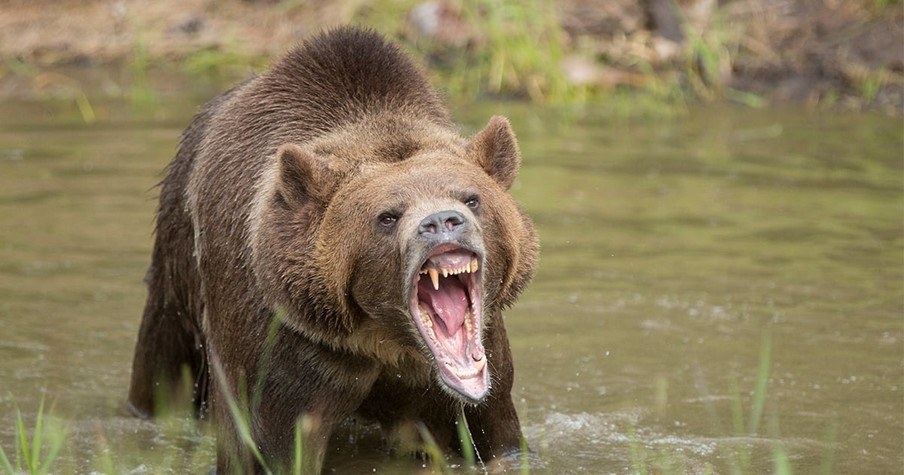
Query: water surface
point(672, 250)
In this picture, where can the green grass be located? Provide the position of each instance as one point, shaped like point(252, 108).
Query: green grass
point(34, 455)
point(37, 448)
point(141, 93)
point(515, 50)
point(745, 426)
point(467, 443)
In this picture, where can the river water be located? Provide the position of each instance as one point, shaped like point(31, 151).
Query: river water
point(718, 292)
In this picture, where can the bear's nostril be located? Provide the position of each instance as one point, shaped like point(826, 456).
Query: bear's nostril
point(442, 222)
point(453, 221)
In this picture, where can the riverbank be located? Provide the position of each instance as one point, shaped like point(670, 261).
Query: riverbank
point(823, 54)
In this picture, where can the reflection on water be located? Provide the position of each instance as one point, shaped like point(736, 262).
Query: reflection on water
point(671, 250)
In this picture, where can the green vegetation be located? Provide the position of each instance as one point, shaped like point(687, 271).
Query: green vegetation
point(739, 458)
point(521, 60)
point(141, 93)
point(518, 50)
point(36, 456)
point(49, 436)
point(502, 49)
point(52, 85)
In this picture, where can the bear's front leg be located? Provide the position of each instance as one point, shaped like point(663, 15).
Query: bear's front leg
point(296, 394)
point(278, 444)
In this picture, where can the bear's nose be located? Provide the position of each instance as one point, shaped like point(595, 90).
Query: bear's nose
point(445, 224)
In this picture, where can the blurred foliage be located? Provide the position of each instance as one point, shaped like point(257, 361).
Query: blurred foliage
point(510, 49)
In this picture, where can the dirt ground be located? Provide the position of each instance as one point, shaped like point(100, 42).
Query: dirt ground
point(840, 53)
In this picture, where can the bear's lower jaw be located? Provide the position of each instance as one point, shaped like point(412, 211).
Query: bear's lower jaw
point(460, 358)
point(471, 380)
point(461, 361)
point(447, 313)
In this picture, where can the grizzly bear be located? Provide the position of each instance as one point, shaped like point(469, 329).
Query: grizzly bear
point(328, 245)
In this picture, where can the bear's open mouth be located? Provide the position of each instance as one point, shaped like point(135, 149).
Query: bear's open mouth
point(446, 306)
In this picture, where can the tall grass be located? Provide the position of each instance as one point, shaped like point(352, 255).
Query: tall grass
point(516, 49)
point(745, 426)
point(468, 450)
point(708, 62)
point(37, 448)
point(523, 51)
point(241, 418)
point(141, 92)
point(37, 454)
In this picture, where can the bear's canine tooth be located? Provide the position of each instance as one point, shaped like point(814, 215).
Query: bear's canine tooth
point(479, 364)
point(434, 277)
point(474, 265)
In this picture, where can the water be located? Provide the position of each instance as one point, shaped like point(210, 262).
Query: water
point(673, 251)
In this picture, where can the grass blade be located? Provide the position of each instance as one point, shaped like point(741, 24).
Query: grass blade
point(432, 450)
point(23, 440)
point(36, 437)
point(239, 418)
point(464, 437)
point(782, 464)
point(4, 462)
point(296, 468)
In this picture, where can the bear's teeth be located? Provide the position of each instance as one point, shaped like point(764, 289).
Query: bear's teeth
point(434, 272)
point(425, 316)
point(434, 277)
point(479, 364)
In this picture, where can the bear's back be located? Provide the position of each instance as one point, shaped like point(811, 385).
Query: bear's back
point(334, 79)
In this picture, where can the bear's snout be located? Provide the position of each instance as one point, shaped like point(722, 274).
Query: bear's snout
point(443, 226)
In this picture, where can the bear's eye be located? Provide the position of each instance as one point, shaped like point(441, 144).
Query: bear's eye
point(472, 202)
point(387, 219)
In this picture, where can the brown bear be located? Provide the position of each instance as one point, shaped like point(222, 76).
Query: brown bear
point(328, 245)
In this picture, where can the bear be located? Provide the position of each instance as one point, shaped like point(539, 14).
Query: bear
point(329, 246)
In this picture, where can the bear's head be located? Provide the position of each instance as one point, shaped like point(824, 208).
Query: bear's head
point(422, 247)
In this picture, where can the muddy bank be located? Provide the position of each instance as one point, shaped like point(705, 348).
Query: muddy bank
point(821, 53)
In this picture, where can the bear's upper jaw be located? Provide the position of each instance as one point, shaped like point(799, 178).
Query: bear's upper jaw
point(446, 307)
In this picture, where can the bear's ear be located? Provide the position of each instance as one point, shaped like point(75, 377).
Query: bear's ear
point(302, 175)
point(496, 151)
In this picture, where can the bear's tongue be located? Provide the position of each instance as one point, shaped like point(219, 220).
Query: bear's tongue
point(449, 303)
point(446, 308)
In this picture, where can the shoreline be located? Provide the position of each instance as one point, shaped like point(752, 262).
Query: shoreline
point(771, 53)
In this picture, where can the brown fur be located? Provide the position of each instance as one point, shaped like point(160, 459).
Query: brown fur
point(270, 211)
